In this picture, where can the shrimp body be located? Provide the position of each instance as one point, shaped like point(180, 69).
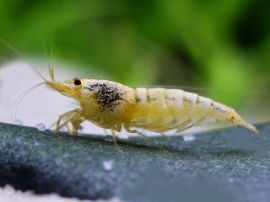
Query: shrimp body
point(114, 106)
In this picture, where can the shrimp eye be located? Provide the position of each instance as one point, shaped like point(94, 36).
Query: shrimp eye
point(77, 82)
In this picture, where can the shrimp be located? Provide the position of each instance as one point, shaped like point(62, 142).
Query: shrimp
point(111, 105)
point(114, 106)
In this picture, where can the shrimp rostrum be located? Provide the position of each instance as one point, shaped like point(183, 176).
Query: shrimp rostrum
point(114, 106)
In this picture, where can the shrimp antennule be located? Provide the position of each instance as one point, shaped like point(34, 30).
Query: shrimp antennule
point(23, 57)
point(20, 99)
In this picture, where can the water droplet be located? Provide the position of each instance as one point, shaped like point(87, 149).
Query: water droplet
point(107, 165)
point(18, 122)
point(41, 127)
point(188, 138)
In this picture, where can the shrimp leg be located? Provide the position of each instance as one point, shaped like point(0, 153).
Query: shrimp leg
point(114, 139)
point(183, 126)
point(65, 116)
point(144, 137)
point(199, 121)
point(74, 117)
point(187, 124)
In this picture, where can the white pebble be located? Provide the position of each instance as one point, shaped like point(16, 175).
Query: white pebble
point(107, 165)
point(18, 122)
point(123, 136)
point(188, 138)
point(41, 127)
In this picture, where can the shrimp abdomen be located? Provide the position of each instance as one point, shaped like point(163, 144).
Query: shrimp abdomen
point(159, 109)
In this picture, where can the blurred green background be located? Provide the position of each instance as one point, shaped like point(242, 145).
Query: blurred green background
point(223, 46)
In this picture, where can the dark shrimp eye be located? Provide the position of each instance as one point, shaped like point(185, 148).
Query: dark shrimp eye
point(77, 82)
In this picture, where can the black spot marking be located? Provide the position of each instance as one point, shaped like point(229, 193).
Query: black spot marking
point(197, 103)
point(217, 108)
point(137, 97)
point(198, 99)
point(165, 95)
point(171, 98)
point(185, 99)
point(107, 95)
point(147, 95)
point(151, 99)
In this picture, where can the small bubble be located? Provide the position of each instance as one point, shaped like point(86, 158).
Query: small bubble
point(41, 127)
point(108, 138)
point(188, 138)
point(107, 165)
point(123, 136)
point(18, 122)
point(62, 130)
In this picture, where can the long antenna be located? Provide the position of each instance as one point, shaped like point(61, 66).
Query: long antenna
point(51, 52)
point(23, 57)
point(20, 98)
point(49, 60)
